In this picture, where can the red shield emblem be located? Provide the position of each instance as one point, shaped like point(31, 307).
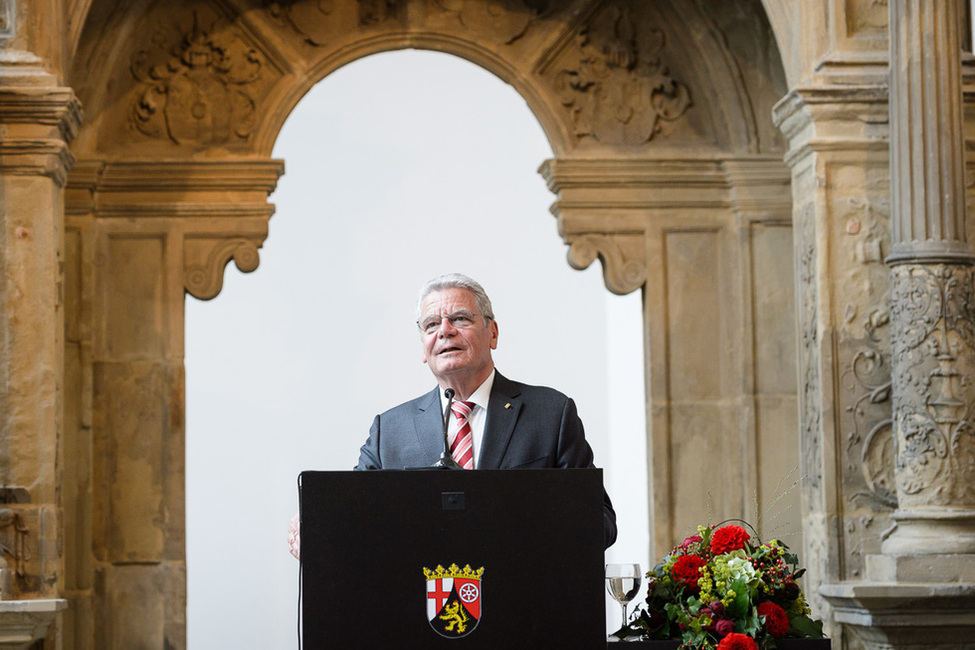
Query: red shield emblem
point(453, 599)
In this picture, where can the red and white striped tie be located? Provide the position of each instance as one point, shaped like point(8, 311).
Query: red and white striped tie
point(462, 448)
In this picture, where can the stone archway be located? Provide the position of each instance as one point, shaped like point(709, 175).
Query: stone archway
point(667, 168)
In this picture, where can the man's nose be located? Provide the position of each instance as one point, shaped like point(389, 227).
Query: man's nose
point(447, 328)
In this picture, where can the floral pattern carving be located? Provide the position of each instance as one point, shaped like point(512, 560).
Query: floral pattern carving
point(933, 343)
point(869, 380)
point(199, 92)
point(618, 90)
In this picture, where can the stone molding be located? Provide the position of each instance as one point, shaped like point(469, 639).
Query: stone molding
point(604, 205)
point(38, 123)
point(218, 210)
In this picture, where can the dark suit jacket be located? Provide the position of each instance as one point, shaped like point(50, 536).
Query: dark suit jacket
point(527, 427)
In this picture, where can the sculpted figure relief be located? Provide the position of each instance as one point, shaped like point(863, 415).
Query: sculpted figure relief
point(199, 91)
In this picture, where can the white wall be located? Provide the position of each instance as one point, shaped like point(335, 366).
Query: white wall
point(399, 167)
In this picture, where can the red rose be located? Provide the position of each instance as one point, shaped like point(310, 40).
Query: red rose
point(736, 641)
point(687, 570)
point(688, 541)
point(727, 539)
point(776, 620)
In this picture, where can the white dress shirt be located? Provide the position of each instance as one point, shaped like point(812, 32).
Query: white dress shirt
point(477, 418)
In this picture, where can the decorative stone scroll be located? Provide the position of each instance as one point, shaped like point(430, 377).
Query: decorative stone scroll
point(205, 260)
point(623, 256)
point(201, 89)
point(933, 345)
point(617, 87)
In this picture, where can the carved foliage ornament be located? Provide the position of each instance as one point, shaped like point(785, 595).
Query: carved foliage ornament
point(502, 21)
point(618, 89)
point(321, 21)
point(933, 344)
point(807, 296)
point(200, 91)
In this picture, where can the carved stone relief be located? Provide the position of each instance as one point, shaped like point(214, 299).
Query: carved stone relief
point(622, 254)
point(866, 16)
point(933, 343)
point(809, 346)
point(205, 259)
point(14, 552)
point(320, 22)
point(615, 83)
point(201, 84)
point(8, 20)
point(502, 21)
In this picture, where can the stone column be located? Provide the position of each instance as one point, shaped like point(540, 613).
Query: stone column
point(38, 117)
point(141, 236)
point(932, 293)
point(919, 591)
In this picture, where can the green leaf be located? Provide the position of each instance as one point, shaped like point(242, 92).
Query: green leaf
point(802, 625)
point(740, 605)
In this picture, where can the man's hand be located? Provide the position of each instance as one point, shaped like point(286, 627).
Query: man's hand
point(294, 537)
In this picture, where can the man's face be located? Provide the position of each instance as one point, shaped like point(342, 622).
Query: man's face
point(455, 353)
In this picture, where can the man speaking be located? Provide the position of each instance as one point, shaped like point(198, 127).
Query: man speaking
point(494, 423)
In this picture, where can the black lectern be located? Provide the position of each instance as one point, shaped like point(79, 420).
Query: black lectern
point(465, 559)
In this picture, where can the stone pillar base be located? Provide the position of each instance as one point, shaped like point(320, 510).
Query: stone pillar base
point(23, 622)
point(906, 616)
point(940, 530)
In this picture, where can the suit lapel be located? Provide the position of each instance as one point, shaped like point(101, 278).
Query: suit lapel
point(504, 407)
point(428, 426)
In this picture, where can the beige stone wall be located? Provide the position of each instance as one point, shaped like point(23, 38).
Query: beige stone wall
point(756, 236)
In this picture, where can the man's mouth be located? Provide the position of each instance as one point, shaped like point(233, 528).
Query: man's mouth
point(446, 350)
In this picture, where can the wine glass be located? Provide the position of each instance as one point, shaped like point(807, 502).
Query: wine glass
point(623, 584)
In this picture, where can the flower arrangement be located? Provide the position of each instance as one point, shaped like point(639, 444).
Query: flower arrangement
point(722, 590)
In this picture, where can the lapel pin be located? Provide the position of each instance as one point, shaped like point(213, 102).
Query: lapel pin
point(508, 405)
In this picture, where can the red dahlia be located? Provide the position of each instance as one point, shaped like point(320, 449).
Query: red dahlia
point(687, 570)
point(776, 620)
point(736, 641)
point(727, 539)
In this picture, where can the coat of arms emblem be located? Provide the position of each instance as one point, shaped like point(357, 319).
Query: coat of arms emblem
point(453, 599)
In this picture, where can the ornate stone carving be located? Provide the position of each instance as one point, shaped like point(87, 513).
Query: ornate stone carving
point(869, 381)
point(622, 255)
point(807, 296)
point(201, 91)
point(321, 21)
point(8, 19)
point(13, 541)
point(206, 259)
point(618, 89)
point(500, 20)
point(933, 343)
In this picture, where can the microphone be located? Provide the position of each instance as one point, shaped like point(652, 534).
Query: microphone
point(447, 461)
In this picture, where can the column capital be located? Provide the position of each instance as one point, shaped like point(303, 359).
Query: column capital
point(39, 118)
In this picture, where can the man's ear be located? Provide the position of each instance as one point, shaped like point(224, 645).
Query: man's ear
point(494, 335)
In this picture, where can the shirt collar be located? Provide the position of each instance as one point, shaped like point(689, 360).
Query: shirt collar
point(480, 397)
